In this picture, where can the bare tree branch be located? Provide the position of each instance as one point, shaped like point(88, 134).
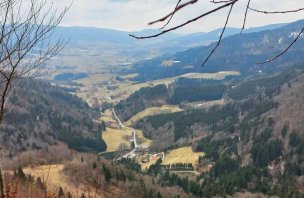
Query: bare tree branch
point(221, 36)
point(276, 12)
point(186, 23)
point(25, 45)
point(177, 8)
point(282, 53)
point(171, 15)
point(223, 3)
point(245, 17)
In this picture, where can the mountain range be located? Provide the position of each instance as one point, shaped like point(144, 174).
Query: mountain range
point(240, 52)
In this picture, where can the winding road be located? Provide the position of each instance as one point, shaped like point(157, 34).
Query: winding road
point(131, 154)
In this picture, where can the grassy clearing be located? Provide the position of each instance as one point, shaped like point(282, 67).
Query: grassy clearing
point(182, 155)
point(53, 177)
point(212, 76)
point(107, 116)
point(153, 111)
point(95, 79)
point(115, 137)
point(52, 173)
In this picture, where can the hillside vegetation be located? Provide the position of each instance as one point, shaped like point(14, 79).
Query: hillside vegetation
point(41, 115)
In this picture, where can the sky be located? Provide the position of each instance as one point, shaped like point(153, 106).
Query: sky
point(134, 15)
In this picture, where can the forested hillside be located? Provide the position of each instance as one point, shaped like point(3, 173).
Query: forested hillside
point(253, 142)
point(183, 90)
point(40, 115)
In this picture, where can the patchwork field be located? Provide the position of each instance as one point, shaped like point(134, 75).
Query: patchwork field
point(153, 111)
point(182, 155)
point(95, 85)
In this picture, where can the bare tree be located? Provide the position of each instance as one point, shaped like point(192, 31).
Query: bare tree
point(26, 30)
point(220, 5)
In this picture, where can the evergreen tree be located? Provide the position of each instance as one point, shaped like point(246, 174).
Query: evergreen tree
point(20, 173)
point(94, 165)
point(106, 173)
point(158, 195)
point(60, 193)
point(69, 195)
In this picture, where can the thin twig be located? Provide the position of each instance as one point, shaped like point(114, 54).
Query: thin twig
point(186, 23)
point(174, 11)
point(282, 53)
point(171, 15)
point(276, 12)
point(245, 17)
point(221, 36)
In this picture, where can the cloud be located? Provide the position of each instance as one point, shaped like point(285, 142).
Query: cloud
point(132, 15)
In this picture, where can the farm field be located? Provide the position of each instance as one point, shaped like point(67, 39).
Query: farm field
point(115, 138)
point(153, 111)
point(182, 155)
point(212, 76)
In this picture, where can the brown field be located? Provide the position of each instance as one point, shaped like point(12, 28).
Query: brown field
point(182, 155)
point(153, 111)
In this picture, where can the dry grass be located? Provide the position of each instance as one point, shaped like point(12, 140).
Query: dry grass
point(182, 155)
point(115, 137)
point(107, 116)
point(53, 177)
point(153, 111)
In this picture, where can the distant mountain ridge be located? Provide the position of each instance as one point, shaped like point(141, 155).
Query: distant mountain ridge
point(239, 52)
point(79, 35)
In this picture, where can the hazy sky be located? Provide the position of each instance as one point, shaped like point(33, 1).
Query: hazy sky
point(133, 15)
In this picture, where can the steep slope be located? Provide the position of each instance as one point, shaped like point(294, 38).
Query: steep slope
point(40, 115)
point(239, 52)
point(253, 143)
